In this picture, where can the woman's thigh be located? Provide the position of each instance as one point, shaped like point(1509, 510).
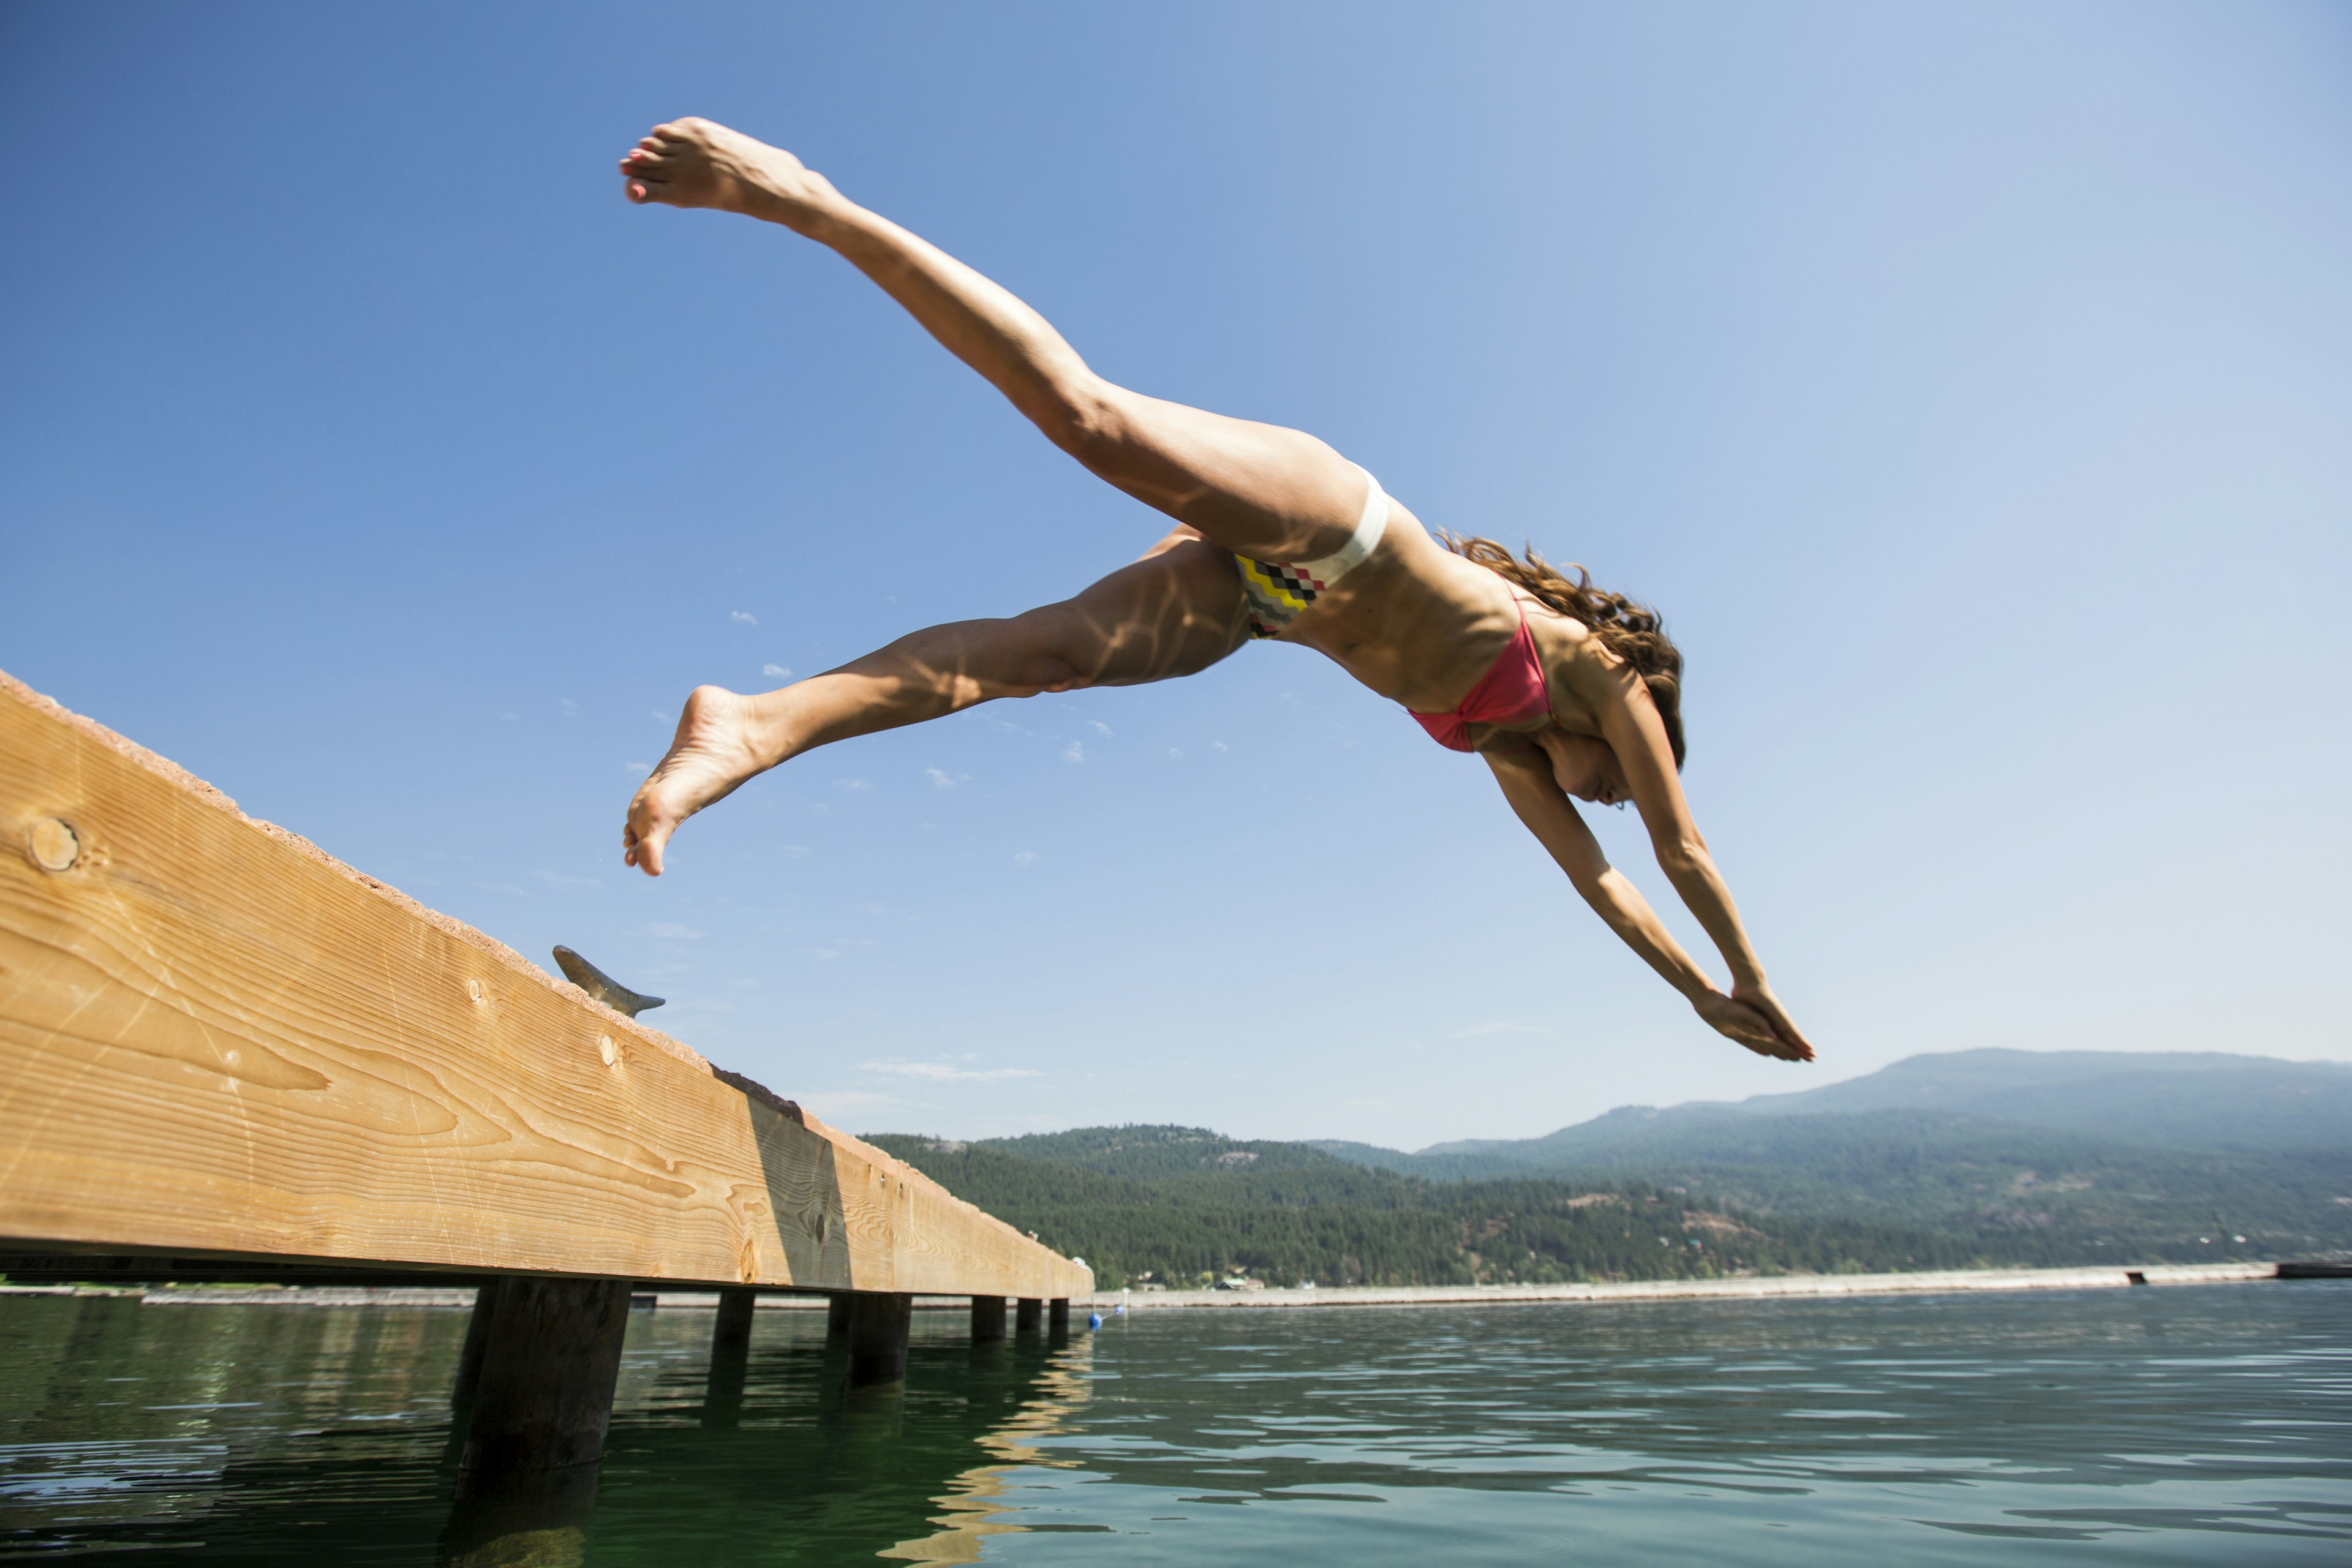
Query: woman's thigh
point(1175, 610)
point(1261, 490)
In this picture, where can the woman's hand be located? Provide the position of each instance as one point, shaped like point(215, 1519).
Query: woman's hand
point(1764, 1029)
point(1791, 1045)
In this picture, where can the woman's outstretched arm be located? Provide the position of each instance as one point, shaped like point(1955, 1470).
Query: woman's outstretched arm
point(1259, 490)
point(1526, 776)
point(1630, 723)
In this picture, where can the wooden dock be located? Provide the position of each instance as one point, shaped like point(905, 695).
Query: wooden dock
point(225, 1055)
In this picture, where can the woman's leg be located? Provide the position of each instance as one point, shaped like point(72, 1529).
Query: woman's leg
point(1175, 612)
point(1260, 490)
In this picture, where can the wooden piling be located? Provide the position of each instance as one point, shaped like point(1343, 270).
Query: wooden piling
point(528, 1520)
point(470, 1359)
point(551, 1354)
point(879, 1324)
point(987, 1320)
point(1029, 1315)
point(836, 1314)
point(731, 1354)
point(1058, 1315)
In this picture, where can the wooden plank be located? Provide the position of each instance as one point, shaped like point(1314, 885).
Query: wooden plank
point(215, 1039)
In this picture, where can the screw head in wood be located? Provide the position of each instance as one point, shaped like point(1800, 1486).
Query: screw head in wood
point(56, 847)
point(604, 1048)
point(473, 989)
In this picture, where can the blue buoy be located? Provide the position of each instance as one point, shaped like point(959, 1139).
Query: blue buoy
point(1121, 1309)
point(1094, 1320)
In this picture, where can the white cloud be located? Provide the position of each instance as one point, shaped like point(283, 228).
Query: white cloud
point(776, 670)
point(746, 617)
point(1501, 1026)
point(660, 717)
point(568, 707)
point(671, 931)
point(852, 787)
point(946, 1072)
point(837, 1105)
point(1174, 752)
point(1219, 745)
point(1026, 858)
point(940, 778)
point(552, 880)
point(1074, 752)
point(1098, 727)
point(636, 767)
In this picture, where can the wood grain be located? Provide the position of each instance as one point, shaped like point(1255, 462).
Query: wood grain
point(215, 1039)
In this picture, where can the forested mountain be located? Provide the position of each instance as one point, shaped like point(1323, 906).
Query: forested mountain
point(2093, 1151)
point(2204, 1100)
point(1182, 1205)
point(1973, 1158)
point(2186, 1099)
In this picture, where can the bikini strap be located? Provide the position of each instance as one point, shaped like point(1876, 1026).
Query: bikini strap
point(1360, 544)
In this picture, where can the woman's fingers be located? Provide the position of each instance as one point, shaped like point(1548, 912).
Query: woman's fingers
point(1794, 1046)
point(1783, 1025)
point(1757, 1022)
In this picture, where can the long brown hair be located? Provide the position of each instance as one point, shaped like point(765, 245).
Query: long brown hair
point(1631, 631)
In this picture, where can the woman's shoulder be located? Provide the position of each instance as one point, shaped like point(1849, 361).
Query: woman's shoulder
point(1577, 662)
point(1557, 631)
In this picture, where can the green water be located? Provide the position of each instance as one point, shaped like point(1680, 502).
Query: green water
point(2176, 1425)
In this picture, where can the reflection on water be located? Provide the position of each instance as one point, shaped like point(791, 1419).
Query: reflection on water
point(976, 1499)
point(2171, 1424)
point(273, 1434)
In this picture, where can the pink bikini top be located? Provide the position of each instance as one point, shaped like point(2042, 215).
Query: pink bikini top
point(1511, 692)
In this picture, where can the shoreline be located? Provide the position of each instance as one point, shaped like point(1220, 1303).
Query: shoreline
point(1755, 1287)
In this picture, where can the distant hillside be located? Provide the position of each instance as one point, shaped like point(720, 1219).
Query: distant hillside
point(1184, 1205)
point(2094, 1152)
point(1157, 1151)
point(2199, 1098)
point(2177, 1100)
point(1973, 1158)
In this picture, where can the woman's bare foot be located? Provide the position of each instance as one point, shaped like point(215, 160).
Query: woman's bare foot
point(718, 746)
point(693, 163)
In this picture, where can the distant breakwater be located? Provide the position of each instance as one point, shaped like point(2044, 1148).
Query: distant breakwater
point(1755, 1287)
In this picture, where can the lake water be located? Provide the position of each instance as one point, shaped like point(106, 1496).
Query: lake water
point(2171, 1424)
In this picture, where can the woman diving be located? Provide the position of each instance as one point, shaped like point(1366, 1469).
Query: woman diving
point(1563, 689)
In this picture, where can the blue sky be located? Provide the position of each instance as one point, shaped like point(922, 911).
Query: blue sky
point(1968, 385)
